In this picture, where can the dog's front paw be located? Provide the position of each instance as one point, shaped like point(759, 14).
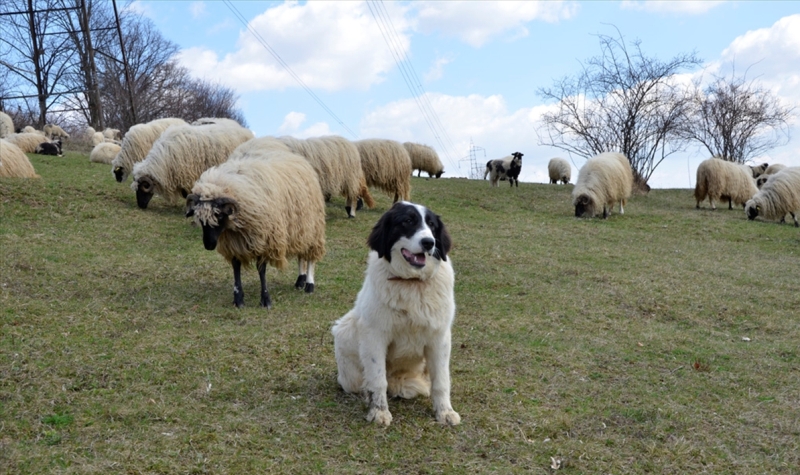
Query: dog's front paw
point(448, 417)
point(381, 416)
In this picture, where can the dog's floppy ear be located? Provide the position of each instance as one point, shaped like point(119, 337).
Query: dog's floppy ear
point(378, 239)
point(443, 241)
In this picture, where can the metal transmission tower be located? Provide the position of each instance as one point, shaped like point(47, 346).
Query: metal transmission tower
point(475, 169)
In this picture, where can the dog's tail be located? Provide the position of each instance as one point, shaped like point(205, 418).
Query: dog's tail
point(409, 384)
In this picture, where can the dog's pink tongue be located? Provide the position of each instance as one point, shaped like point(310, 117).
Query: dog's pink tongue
point(415, 259)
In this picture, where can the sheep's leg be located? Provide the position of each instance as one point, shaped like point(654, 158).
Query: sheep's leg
point(348, 206)
point(301, 274)
point(238, 293)
point(359, 204)
point(796, 224)
point(730, 203)
point(621, 209)
point(266, 301)
point(310, 280)
point(605, 212)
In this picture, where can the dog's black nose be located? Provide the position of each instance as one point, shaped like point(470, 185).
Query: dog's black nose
point(427, 243)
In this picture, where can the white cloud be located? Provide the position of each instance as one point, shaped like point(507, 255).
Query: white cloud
point(292, 126)
point(666, 6)
point(475, 23)
point(197, 9)
point(330, 45)
point(140, 8)
point(437, 69)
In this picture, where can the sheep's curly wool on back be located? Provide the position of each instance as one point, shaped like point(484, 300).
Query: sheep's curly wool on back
point(773, 169)
point(137, 143)
point(30, 130)
point(280, 210)
point(15, 163)
point(27, 142)
point(386, 166)
point(717, 178)
point(337, 163)
point(424, 157)
point(6, 125)
point(605, 179)
point(183, 153)
point(104, 152)
point(216, 120)
point(779, 195)
point(559, 170)
point(54, 131)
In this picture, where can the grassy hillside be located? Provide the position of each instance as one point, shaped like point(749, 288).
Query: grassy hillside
point(615, 346)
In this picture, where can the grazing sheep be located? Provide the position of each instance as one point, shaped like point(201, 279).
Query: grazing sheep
point(180, 156)
point(104, 152)
point(52, 131)
point(338, 165)
point(425, 159)
point(137, 143)
point(504, 168)
point(27, 142)
point(15, 163)
point(264, 208)
point(778, 196)
point(386, 166)
point(603, 180)
point(111, 134)
point(216, 120)
point(50, 148)
point(559, 170)
point(719, 179)
point(6, 125)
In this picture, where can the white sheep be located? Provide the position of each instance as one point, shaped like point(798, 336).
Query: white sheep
point(559, 170)
point(216, 120)
point(111, 134)
point(137, 143)
point(264, 208)
point(504, 168)
point(97, 138)
point(386, 166)
point(27, 142)
point(52, 131)
point(104, 152)
point(30, 130)
point(180, 156)
point(720, 179)
point(338, 165)
point(425, 159)
point(771, 170)
point(778, 196)
point(15, 164)
point(603, 180)
point(6, 125)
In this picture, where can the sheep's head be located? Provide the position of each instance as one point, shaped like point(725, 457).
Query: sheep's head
point(145, 188)
point(212, 215)
point(517, 157)
point(119, 174)
point(439, 174)
point(761, 180)
point(584, 207)
point(759, 169)
point(752, 210)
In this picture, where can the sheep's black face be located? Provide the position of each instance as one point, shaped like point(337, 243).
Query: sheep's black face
point(752, 212)
point(144, 192)
point(119, 174)
point(439, 174)
point(584, 207)
point(211, 234)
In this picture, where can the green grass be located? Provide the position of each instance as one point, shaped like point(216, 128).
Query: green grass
point(614, 345)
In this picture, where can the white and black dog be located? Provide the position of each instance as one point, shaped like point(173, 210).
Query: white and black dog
point(396, 339)
point(50, 148)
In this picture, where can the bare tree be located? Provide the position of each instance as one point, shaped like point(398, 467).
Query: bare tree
point(737, 119)
point(620, 101)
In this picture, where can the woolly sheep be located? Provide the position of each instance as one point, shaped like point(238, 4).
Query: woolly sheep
point(559, 170)
point(27, 142)
point(507, 167)
point(338, 165)
point(425, 159)
point(264, 207)
point(30, 130)
point(104, 152)
point(771, 170)
point(89, 132)
point(15, 163)
point(778, 196)
point(216, 120)
point(97, 138)
point(52, 131)
point(6, 125)
point(111, 134)
point(719, 179)
point(603, 180)
point(180, 156)
point(137, 143)
point(386, 166)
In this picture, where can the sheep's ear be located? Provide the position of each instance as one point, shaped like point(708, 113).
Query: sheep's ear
point(191, 202)
point(227, 206)
point(378, 239)
point(443, 241)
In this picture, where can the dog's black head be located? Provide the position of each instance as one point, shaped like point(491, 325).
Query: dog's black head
point(415, 229)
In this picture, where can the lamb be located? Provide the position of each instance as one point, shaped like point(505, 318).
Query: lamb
point(559, 170)
point(778, 196)
point(15, 163)
point(338, 165)
point(180, 156)
point(604, 179)
point(111, 134)
point(50, 148)
point(52, 131)
point(718, 179)
point(425, 159)
point(6, 125)
point(27, 142)
point(137, 143)
point(263, 207)
point(386, 166)
point(104, 152)
point(504, 168)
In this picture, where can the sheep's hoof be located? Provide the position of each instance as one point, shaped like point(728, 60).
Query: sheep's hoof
point(310, 288)
point(349, 210)
point(266, 301)
point(300, 282)
point(238, 304)
point(359, 204)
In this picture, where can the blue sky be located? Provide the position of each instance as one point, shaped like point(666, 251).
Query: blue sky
point(480, 65)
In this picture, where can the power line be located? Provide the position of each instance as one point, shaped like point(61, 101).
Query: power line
point(283, 63)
